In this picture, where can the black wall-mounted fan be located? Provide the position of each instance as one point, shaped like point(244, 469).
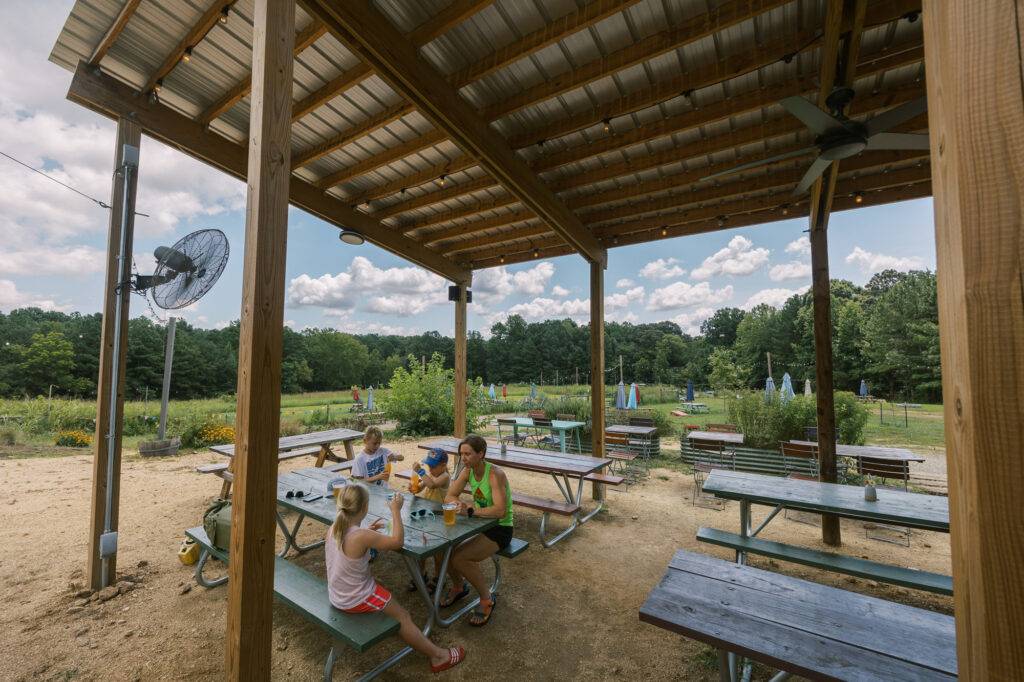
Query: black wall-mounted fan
point(838, 137)
point(186, 271)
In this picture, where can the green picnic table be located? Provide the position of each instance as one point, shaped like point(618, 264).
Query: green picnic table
point(563, 427)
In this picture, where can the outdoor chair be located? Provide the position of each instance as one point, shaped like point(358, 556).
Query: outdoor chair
point(545, 440)
point(885, 470)
point(641, 421)
point(511, 437)
point(708, 457)
point(624, 458)
point(566, 417)
point(801, 462)
point(722, 428)
point(536, 414)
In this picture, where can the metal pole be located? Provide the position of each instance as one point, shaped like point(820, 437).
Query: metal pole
point(165, 392)
point(108, 541)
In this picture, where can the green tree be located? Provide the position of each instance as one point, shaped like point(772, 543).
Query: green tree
point(720, 329)
point(336, 360)
point(726, 374)
point(48, 359)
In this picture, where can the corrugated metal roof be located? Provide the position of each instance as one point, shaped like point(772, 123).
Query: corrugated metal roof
point(223, 59)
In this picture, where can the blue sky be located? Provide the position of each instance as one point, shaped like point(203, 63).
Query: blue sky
point(54, 240)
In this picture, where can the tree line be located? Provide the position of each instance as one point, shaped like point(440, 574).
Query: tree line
point(885, 332)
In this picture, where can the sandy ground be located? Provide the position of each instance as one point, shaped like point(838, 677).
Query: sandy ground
point(568, 612)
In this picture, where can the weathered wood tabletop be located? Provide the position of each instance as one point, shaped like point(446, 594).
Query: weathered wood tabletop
point(871, 451)
point(914, 510)
point(530, 459)
point(805, 628)
point(717, 437)
point(630, 430)
point(302, 440)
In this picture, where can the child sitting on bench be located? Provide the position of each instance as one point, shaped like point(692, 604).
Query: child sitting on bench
point(433, 483)
point(350, 585)
point(373, 463)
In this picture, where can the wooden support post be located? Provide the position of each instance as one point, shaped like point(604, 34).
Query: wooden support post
point(597, 368)
point(251, 571)
point(976, 119)
point(821, 199)
point(461, 389)
point(128, 133)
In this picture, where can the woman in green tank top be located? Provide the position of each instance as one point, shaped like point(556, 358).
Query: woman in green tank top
point(492, 498)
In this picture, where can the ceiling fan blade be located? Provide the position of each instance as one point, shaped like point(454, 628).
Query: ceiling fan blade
point(901, 114)
point(812, 174)
point(898, 141)
point(810, 115)
point(762, 162)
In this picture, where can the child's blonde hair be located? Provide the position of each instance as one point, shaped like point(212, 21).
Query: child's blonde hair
point(373, 432)
point(352, 503)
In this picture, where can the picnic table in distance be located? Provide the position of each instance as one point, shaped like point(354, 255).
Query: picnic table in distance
point(869, 451)
point(717, 437)
point(321, 439)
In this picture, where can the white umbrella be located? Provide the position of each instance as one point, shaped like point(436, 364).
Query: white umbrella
point(769, 389)
point(807, 386)
point(620, 397)
point(786, 392)
point(369, 399)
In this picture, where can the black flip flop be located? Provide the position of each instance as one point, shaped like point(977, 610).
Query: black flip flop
point(484, 618)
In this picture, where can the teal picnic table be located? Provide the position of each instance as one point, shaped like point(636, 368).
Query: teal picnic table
point(563, 427)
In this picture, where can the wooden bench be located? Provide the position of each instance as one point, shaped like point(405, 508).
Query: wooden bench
point(607, 479)
point(837, 563)
point(307, 595)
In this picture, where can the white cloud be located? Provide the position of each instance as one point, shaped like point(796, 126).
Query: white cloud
point(11, 298)
point(543, 308)
point(72, 261)
point(690, 322)
point(773, 297)
point(791, 270)
point(625, 283)
point(532, 282)
point(401, 291)
point(559, 291)
point(663, 268)
point(870, 263)
point(736, 258)
point(628, 316)
point(494, 285)
point(800, 246)
point(624, 300)
point(681, 295)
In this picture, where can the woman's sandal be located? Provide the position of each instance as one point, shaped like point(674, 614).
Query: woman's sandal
point(481, 616)
point(456, 655)
point(453, 597)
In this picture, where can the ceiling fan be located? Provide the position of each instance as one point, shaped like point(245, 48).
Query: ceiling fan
point(837, 137)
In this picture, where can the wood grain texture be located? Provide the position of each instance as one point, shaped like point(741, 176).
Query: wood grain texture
point(976, 105)
point(110, 37)
point(107, 96)
point(257, 422)
point(397, 62)
point(448, 18)
point(130, 133)
point(192, 38)
point(331, 89)
point(597, 408)
point(461, 387)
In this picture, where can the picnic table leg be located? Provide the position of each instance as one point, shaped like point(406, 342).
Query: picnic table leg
point(290, 536)
point(349, 454)
point(225, 487)
point(322, 457)
point(741, 557)
point(436, 602)
point(203, 582)
point(561, 439)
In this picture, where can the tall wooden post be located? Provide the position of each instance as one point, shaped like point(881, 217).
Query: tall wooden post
point(461, 389)
point(597, 368)
point(251, 581)
point(976, 120)
point(128, 133)
point(821, 206)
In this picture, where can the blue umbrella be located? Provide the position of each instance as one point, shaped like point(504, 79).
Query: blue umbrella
point(863, 388)
point(786, 392)
point(689, 390)
point(620, 397)
point(631, 402)
point(769, 389)
point(491, 393)
point(533, 391)
point(369, 399)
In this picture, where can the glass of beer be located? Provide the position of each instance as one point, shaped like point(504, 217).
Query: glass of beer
point(449, 509)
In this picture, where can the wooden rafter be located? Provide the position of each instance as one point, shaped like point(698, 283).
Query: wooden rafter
point(189, 41)
point(479, 226)
point(241, 89)
point(377, 42)
point(375, 122)
point(110, 37)
point(110, 97)
point(385, 157)
point(447, 19)
point(334, 87)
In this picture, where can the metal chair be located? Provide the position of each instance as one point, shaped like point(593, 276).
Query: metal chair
point(512, 437)
point(624, 457)
point(709, 456)
point(641, 421)
point(549, 439)
point(884, 470)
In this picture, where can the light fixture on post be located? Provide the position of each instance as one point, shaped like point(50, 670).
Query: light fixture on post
point(224, 12)
point(186, 56)
point(785, 209)
point(350, 237)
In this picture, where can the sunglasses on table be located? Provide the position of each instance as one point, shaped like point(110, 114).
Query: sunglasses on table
point(420, 514)
point(306, 495)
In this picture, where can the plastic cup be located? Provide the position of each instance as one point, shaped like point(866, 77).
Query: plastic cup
point(449, 509)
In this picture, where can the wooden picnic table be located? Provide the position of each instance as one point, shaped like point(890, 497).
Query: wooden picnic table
point(817, 631)
point(562, 426)
point(717, 437)
point(869, 452)
point(564, 468)
point(647, 434)
point(424, 537)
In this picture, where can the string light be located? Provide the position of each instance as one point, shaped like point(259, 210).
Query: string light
point(501, 259)
point(785, 209)
point(186, 56)
point(158, 86)
point(858, 197)
point(224, 12)
point(536, 253)
point(607, 125)
point(443, 179)
point(664, 231)
point(721, 221)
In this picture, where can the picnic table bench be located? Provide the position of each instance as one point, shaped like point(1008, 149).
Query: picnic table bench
point(797, 626)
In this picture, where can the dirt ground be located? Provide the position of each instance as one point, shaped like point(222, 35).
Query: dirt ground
point(569, 612)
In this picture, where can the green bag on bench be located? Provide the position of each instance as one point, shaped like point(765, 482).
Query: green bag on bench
point(217, 524)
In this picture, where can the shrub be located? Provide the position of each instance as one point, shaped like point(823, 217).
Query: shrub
point(8, 436)
point(199, 431)
point(73, 439)
point(291, 428)
point(421, 400)
point(765, 423)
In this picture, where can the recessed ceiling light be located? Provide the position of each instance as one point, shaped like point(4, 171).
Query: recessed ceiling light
point(350, 237)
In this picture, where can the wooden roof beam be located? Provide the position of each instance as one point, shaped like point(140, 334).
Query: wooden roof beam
point(195, 34)
point(445, 20)
point(243, 87)
point(510, 218)
point(378, 43)
point(334, 87)
point(370, 125)
point(110, 97)
point(371, 163)
point(110, 37)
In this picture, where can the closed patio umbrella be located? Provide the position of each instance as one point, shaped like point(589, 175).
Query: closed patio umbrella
point(863, 388)
point(504, 390)
point(491, 394)
point(786, 392)
point(620, 397)
point(807, 386)
point(769, 389)
point(533, 391)
point(689, 390)
point(369, 399)
point(631, 402)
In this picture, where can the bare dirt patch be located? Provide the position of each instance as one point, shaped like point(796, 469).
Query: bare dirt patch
point(566, 612)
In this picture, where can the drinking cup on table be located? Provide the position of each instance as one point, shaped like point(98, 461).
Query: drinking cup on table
point(449, 509)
